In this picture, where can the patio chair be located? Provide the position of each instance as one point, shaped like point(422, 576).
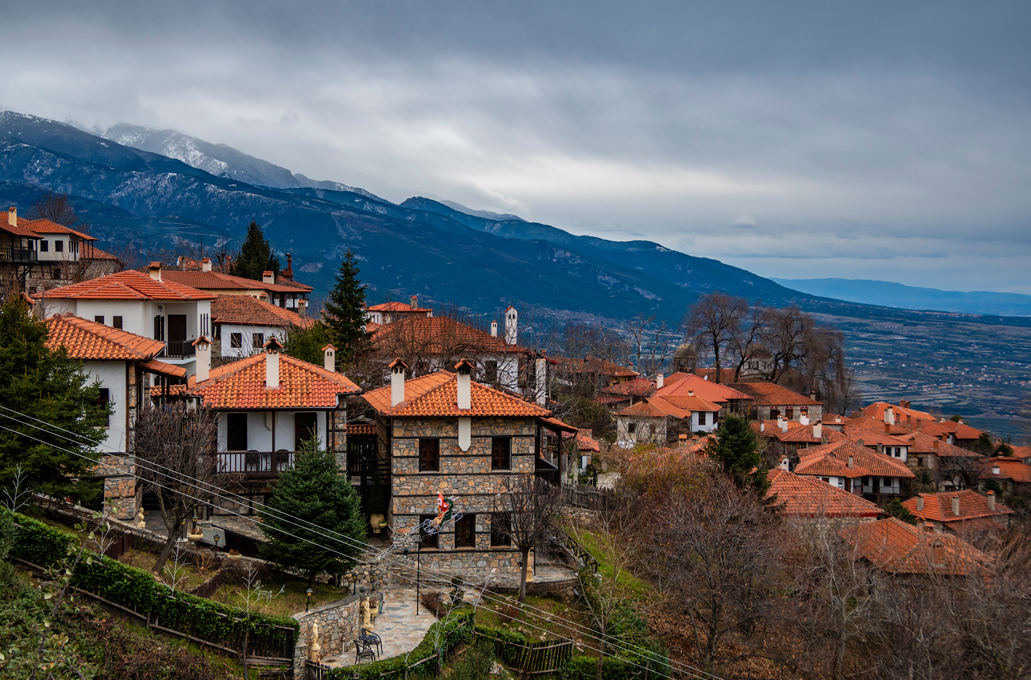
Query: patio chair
point(362, 651)
point(371, 640)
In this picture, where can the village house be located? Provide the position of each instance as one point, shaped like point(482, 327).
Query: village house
point(788, 437)
point(960, 512)
point(593, 371)
point(661, 420)
point(243, 324)
point(281, 291)
point(444, 433)
point(677, 386)
point(619, 396)
point(142, 304)
point(855, 468)
point(900, 414)
point(1010, 475)
point(389, 312)
point(771, 401)
point(950, 466)
point(808, 498)
point(913, 551)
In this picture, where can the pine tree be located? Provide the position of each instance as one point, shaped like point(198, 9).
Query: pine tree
point(255, 257)
point(736, 448)
point(36, 382)
point(317, 492)
point(345, 311)
point(306, 343)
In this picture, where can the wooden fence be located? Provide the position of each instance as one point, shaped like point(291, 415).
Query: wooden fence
point(589, 497)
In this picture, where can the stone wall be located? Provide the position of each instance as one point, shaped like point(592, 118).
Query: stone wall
point(120, 490)
point(338, 627)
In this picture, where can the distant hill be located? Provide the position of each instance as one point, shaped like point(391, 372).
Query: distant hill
point(910, 297)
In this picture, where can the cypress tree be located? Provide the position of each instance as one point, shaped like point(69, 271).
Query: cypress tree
point(345, 311)
point(255, 256)
point(736, 448)
point(317, 492)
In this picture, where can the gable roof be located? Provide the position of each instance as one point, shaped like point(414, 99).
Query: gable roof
point(654, 408)
point(901, 548)
point(638, 387)
point(872, 437)
point(45, 226)
point(831, 460)
point(960, 431)
point(797, 433)
point(89, 340)
point(127, 285)
point(437, 335)
point(772, 394)
point(593, 365)
point(243, 310)
point(808, 497)
point(435, 395)
point(218, 281)
point(397, 307)
point(241, 386)
point(1012, 469)
point(902, 412)
point(692, 385)
point(921, 442)
point(938, 506)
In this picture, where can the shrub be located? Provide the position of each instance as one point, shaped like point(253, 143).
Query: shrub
point(431, 599)
point(39, 543)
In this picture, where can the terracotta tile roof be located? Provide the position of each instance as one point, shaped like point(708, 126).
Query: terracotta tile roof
point(361, 428)
point(902, 413)
point(921, 442)
point(960, 431)
point(692, 385)
point(88, 340)
point(397, 307)
point(689, 403)
point(19, 229)
point(808, 497)
point(241, 385)
point(155, 366)
point(638, 387)
point(585, 441)
point(243, 310)
point(1015, 470)
point(45, 226)
point(900, 548)
point(771, 394)
point(218, 281)
point(832, 460)
point(372, 326)
point(556, 424)
point(874, 425)
point(1022, 452)
point(938, 506)
point(610, 399)
point(94, 253)
point(437, 335)
point(674, 377)
point(435, 395)
point(654, 408)
point(797, 432)
point(873, 437)
point(127, 285)
point(593, 365)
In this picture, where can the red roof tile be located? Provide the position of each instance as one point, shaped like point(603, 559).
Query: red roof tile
point(436, 395)
point(938, 506)
point(241, 385)
point(437, 335)
point(771, 394)
point(45, 226)
point(902, 413)
point(921, 442)
point(901, 548)
point(1012, 469)
point(398, 307)
point(692, 385)
point(88, 340)
point(639, 387)
point(807, 497)
point(127, 285)
point(960, 431)
point(832, 460)
point(243, 310)
point(218, 281)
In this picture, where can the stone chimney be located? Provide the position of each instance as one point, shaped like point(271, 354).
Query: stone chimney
point(660, 380)
point(511, 326)
point(205, 264)
point(272, 348)
point(414, 302)
point(851, 461)
point(991, 501)
point(288, 273)
point(329, 358)
point(880, 448)
point(465, 371)
point(268, 277)
point(493, 329)
point(155, 270)
point(955, 505)
point(397, 381)
point(203, 351)
point(920, 502)
point(817, 430)
point(889, 416)
point(860, 442)
point(12, 216)
point(541, 374)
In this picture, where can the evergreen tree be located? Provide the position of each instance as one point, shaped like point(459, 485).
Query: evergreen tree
point(317, 492)
point(736, 448)
point(51, 387)
point(255, 257)
point(345, 311)
point(306, 343)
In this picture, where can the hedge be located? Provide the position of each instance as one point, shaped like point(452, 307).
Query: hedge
point(137, 589)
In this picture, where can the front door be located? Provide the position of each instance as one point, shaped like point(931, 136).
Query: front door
point(177, 335)
point(305, 427)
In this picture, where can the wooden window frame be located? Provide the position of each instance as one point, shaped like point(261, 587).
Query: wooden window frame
point(498, 539)
point(497, 461)
point(429, 455)
point(465, 532)
point(427, 540)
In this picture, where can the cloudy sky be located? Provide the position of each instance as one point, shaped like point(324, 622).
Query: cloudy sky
point(879, 140)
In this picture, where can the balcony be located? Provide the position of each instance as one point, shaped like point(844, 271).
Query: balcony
point(18, 255)
point(179, 349)
point(255, 463)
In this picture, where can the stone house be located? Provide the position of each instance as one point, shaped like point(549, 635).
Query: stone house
point(960, 512)
point(661, 420)
point(443, 433)
point(855, 468)
point(771, 401)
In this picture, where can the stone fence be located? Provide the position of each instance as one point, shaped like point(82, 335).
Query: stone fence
point(338, 627)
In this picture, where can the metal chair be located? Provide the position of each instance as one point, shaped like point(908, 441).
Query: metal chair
point(362, 651)
point(370, 640)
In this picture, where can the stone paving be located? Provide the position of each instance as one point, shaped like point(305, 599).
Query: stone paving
point(398, 626)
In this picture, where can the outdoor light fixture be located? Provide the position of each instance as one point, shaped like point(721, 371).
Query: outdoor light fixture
point(216, 543)
point(353, 576)
point(307, 601)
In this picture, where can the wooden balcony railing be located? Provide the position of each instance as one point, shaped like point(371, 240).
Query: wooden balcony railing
point(18, 255)
point(179, 349)
point(255, 462)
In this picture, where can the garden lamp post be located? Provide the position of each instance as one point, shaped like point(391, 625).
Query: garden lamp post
point(216, 543)
point(353, 578)
point(307, 601)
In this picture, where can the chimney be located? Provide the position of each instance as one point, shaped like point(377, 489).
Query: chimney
point(12, 216)
point(762, 425)
point(272, 348)
point(880, 448)
point(397, 381)
point(493, 329)
point(887, 428)
point(889, 416)
point(851, 461)
point(541, 373)
point(860, 442)
point(803, 419)
point(268, 277)
point(817, 430)
point(660, 380)
point(996, 471)
point(205, 264)
point(991, 501)
point(690, 393)
point(202, 348)
point(955, 505)
point(919, 503)
point(511, 326)
point(783, 425)
point(465, 370)
point(288, 273)
point(414, 302)
point(683, 437)
point(812, 395)
point(329, 358)
point(155, 270)
point(785, 464)
point(928, 527)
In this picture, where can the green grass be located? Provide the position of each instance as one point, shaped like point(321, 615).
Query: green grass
point(286, 603)
point(519, 619)
point(604, 550)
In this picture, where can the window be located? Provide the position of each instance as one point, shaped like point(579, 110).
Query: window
point(703, 418)
point(104, 399)
point(55, 273)
point(774, 413)
point(99, 318)
point(159, 327)
point(465, 532)
point(58, 246)
point(258, 340)
point(236, 340)
point(427, 539)
point(789, 414)
point(429, 455)
point(236, 431)
point(490, 372)
point(44, 246)
point(500, 525)
point(116, 322)
point(631, 428)
point(501, 453)
point(205, 325)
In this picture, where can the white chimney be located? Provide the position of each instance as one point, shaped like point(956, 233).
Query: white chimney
point(690, 393)
point(955, 505)
point(397, 382)
point(205, 264)
point(762, 426)
point(203, 352)
point(155, 270)
point(493, 329)
point(268, 277)
point(919, 503)
point(783, 425)
point(804, 419)
point(465, 371)
point(511, 326)
point(272, 348)
point(818, 431)
point(12, 216)
point(991, 500)
point(660, 380)
point(995, 470)
point(889, 416)
point(785, 464)
point(541, 372)
point(329, 358)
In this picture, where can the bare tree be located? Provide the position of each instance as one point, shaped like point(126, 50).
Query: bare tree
point(714, 320)
point(57, 207)
point(176, 445)
point(651, 343)
point(528, 502)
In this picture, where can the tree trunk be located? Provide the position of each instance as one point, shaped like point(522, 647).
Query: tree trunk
point(166, 552)
point(522, 574)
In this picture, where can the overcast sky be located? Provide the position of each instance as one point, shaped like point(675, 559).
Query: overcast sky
point(883, 140)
